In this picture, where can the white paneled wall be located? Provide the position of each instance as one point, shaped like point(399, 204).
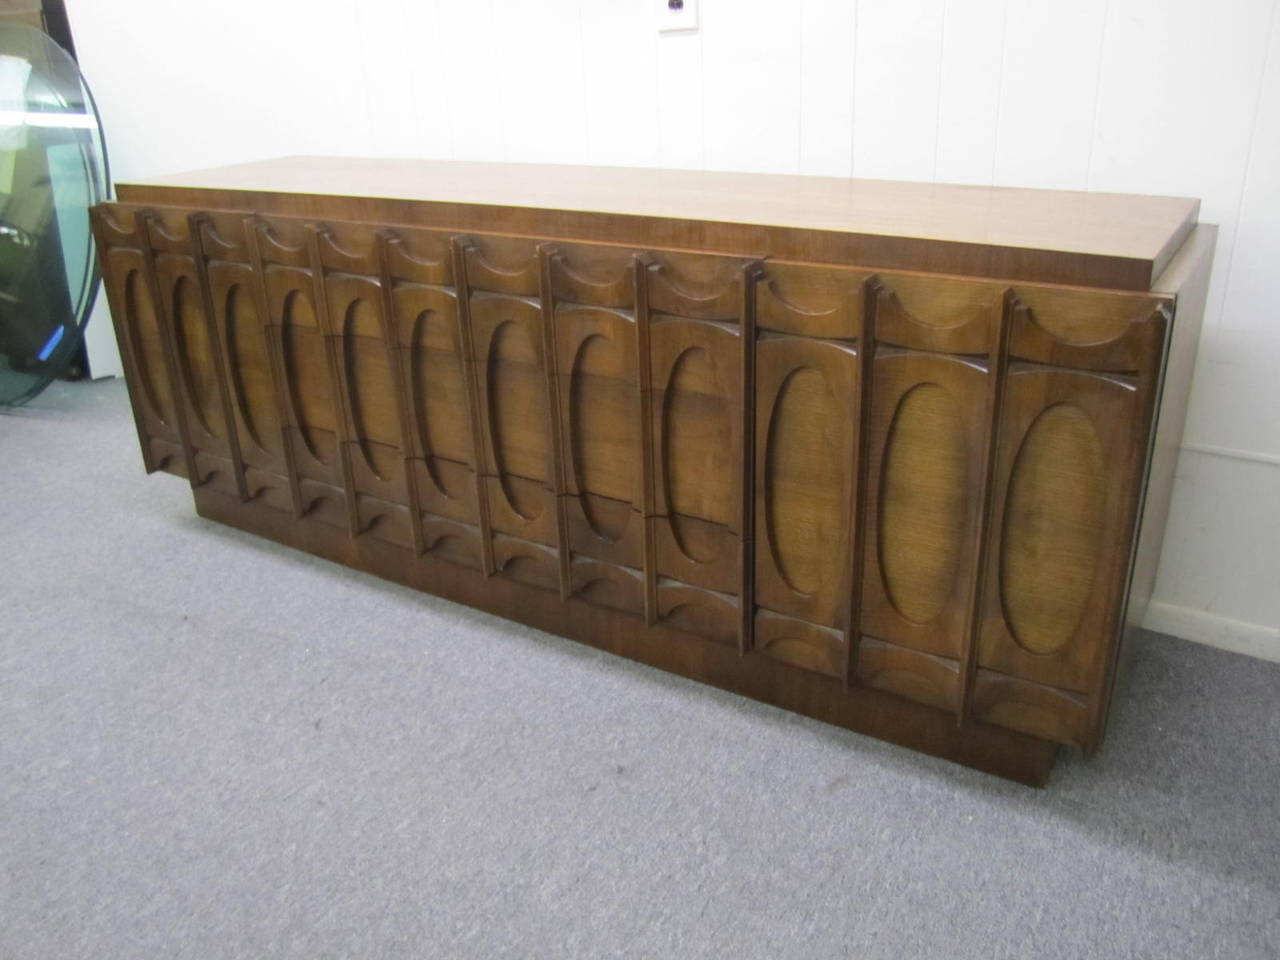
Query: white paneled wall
point(1151, 96)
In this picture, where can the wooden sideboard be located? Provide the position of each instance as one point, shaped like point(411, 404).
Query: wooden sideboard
point(896, 456)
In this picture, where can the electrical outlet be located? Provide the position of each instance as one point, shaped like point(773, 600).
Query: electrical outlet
point(676, 15)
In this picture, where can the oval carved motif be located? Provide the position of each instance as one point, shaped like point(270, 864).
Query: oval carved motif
point(140, 314)
point(305, 362)
point(803, 480)
point(368, 381)
point(436, 385)
point(923, 493)
point(1053, 528)
point(517, 415)
point(598, 439)
point(250, 371)
point(195, 355)
point(695, 453)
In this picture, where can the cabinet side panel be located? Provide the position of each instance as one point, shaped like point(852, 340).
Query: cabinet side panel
point(1187, 280)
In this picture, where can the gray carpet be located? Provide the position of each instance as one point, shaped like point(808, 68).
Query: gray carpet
point(212, 746)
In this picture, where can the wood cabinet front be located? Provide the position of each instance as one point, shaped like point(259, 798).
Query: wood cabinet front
point(900, 501)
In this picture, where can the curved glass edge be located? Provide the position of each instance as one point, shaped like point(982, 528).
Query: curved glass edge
point(90, 142)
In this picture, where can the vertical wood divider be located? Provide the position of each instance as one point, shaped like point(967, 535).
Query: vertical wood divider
point(869, 299)
point(751, 275)
point(458, 249)
point(335, 348)
point(997, 374)
point(165, 320)
point(124, 341)
point(404, 404)
point(641, 265)
point(546, 253)
point(218, 347)
point(279, 375)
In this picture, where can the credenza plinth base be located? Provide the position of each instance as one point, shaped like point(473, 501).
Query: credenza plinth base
point(994, 750)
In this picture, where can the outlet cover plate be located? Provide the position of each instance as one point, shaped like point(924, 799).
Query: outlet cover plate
point(676, 15)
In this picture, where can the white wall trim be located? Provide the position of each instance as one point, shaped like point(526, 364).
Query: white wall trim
point(1228, 453)
point(1214, 630)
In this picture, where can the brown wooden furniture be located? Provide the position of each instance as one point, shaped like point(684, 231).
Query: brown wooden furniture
point(874, 452)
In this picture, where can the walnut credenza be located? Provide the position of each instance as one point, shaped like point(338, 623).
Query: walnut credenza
point(895, 456)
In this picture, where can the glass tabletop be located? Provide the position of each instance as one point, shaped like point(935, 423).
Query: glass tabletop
point(53, 167)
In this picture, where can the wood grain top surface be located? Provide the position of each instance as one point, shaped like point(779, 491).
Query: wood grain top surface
point(1138, 232)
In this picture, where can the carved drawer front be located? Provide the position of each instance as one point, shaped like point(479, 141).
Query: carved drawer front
point(198, 381)
point(908, 673)
point(439, 429)
point(246, 356)
point(807, 421)
point(1075, 419)
point(1056, 715)
point(357, 327)
point(692, 318)
point(307, 374)
point(508, 356)
point(929, 436)
point(589, 293)
point(800, 643)
point(592, 295)
point(142, 335)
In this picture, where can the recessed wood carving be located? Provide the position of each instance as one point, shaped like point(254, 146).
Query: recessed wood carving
point(1052, 528)
point(144, 327)
point(923, 502)
point(248, 362)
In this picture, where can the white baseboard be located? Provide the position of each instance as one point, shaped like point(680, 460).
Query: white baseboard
point(1251, 639)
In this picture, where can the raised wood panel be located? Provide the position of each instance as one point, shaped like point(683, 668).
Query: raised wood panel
point(600, 426)
point(608, 585)
point(1032, 708)
point(1083, 329)
point(119, 243)
point(291, 320)
point(926, 450)
point(514, 397)
point(248, 366)
point(453, 542)
point(305, 380)
point(810, 301)
point(799, 643)
point(247, 380)
point(937, 314)
point(697, 438)
point(306, 370)
point(692, 319)
point(1064, 491)
point(916, 676)
point(695, 286)
point(434, 378)
point(220, 235)
point(805, 460)
point(139, 325)
point(361, 345)
point(590, 274)
point(419, 256)
point(197, 372)
point(533, 564)
point(512, 386)
point(710, 614)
